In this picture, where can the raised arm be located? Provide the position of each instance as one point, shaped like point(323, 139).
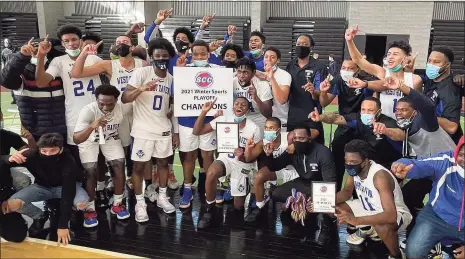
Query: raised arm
point(43, 78)
point(79, 70)
point(152, 30)
point(325, 97)
point(280, 89)
point(200, 127)
point(10, 76)
point(252, 150)
point(356, 56)
point(328, 117)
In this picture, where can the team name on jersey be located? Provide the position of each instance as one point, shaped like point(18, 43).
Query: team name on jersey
point(123, 79)
point(163, 89)
point(243, 94)
point(109, 127)
point(243, 141)
point(393, 92)
point(363, 189)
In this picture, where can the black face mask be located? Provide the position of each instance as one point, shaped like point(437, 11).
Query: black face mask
point(50, 159)
point(301, 147)
point(123, 50)
point(160, 63)
point(181, 46)
point(230, 64)
point(302, 51)
point(353, 170)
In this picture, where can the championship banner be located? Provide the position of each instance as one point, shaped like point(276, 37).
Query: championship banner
point(194, 86)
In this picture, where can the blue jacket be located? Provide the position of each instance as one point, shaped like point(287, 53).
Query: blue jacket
point(448, 184)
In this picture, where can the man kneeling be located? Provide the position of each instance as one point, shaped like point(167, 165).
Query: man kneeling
point(379, 209)
point(57, 176)
point(228, 164)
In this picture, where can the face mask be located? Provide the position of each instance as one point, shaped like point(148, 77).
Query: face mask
point(396, 68)
point(301, 147)
point(404, 123)
point(270, 135)
point(230, 64)
point(302, 51)
point(50, 159)
point(330, 60)
point(366, 118)
point(239, 119)
point(200, 63)
point(353, 170)
point(432, 71)
point(73, 52)
point(255, 52)
point(160, 63)
point(346, 75)
point(181, 46)
point(274, 68)
point(2, 124)
point(123, 50)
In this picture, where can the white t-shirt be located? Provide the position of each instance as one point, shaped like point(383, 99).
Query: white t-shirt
point(150, 121)
point(264, 94)
point(282, 147)
point(91, 113)
point(78, 91)
point(250, 130)
point(389, 98)
point(280, 110)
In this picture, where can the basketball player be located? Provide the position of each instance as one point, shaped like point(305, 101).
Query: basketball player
point(274, 143)
point(232, 165)
point(380, 205)
point(78, 91)
point(102, 116)
point(398, 56)
point(150, 88)
point(257, 92)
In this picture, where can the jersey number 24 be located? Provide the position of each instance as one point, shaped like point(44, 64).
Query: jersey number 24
point(79, 87)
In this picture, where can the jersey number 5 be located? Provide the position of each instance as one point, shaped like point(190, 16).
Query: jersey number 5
point(157, 101)
point(79, 87)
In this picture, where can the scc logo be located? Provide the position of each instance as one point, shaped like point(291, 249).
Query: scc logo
point(203, 79)
point(227, 130)
point(323, 189)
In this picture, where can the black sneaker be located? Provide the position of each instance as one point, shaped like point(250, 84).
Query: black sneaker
point(253, 215)
point(206, 219)
point(101, 199)
point(38, 225)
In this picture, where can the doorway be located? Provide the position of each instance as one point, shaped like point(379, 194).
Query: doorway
point(375, 48)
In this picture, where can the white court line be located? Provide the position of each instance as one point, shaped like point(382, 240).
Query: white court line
point(82, 248)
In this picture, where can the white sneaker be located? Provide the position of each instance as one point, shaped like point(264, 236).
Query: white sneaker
point(173, 184)
point(151, 193)
point(141, 212)
point(164, 204)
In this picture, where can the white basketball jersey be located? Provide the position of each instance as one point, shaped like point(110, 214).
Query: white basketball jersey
point(150, 108)
point(91, 112)
point(264, 94)
point(282, 147)
point(281, 110)
point(389, 98)
point(369, 195)
point(78, 91)
point(120, 76)
point(250, 130)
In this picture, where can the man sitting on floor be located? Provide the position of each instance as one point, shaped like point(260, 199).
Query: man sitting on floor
point(56, 176)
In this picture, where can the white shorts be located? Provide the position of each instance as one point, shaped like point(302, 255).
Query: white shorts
point(124, 130)
point(143, 150)
point(403, 218)
point(111, 150)
point(190, 142)
point(286, 174)
point(239, 173)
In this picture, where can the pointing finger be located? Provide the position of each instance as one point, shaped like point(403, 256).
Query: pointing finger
point(98, 44)
point(46, 38)
point(414, 57)
point(30, 41)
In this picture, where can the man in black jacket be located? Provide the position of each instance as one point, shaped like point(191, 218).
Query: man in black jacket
point(42, 110)
point(56, 176)
point(313, 162)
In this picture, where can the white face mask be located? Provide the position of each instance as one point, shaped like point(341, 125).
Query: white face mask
point(73, 52)
point(34, 60)
point(346, 75)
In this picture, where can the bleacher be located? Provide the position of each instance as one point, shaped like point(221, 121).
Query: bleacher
point(18, 27)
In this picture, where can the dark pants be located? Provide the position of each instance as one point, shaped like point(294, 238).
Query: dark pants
point(428, 231)
point(282, 192)
point(342, 136)
point(414, 193)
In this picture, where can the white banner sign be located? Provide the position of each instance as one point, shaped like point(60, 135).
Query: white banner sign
point(194, 86)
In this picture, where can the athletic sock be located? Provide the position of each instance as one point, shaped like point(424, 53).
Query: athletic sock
point(117, 199)
point(162, 192)
point(140, 198)
point(260, 204)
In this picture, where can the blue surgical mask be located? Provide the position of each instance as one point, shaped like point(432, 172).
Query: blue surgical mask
point(255, 52)
point(432, 71)
point(200, 63)
point(270, 135)
point(239, 119)
point(73, 52)
point(396, 68)
point(274, 68)
point(366, 118)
